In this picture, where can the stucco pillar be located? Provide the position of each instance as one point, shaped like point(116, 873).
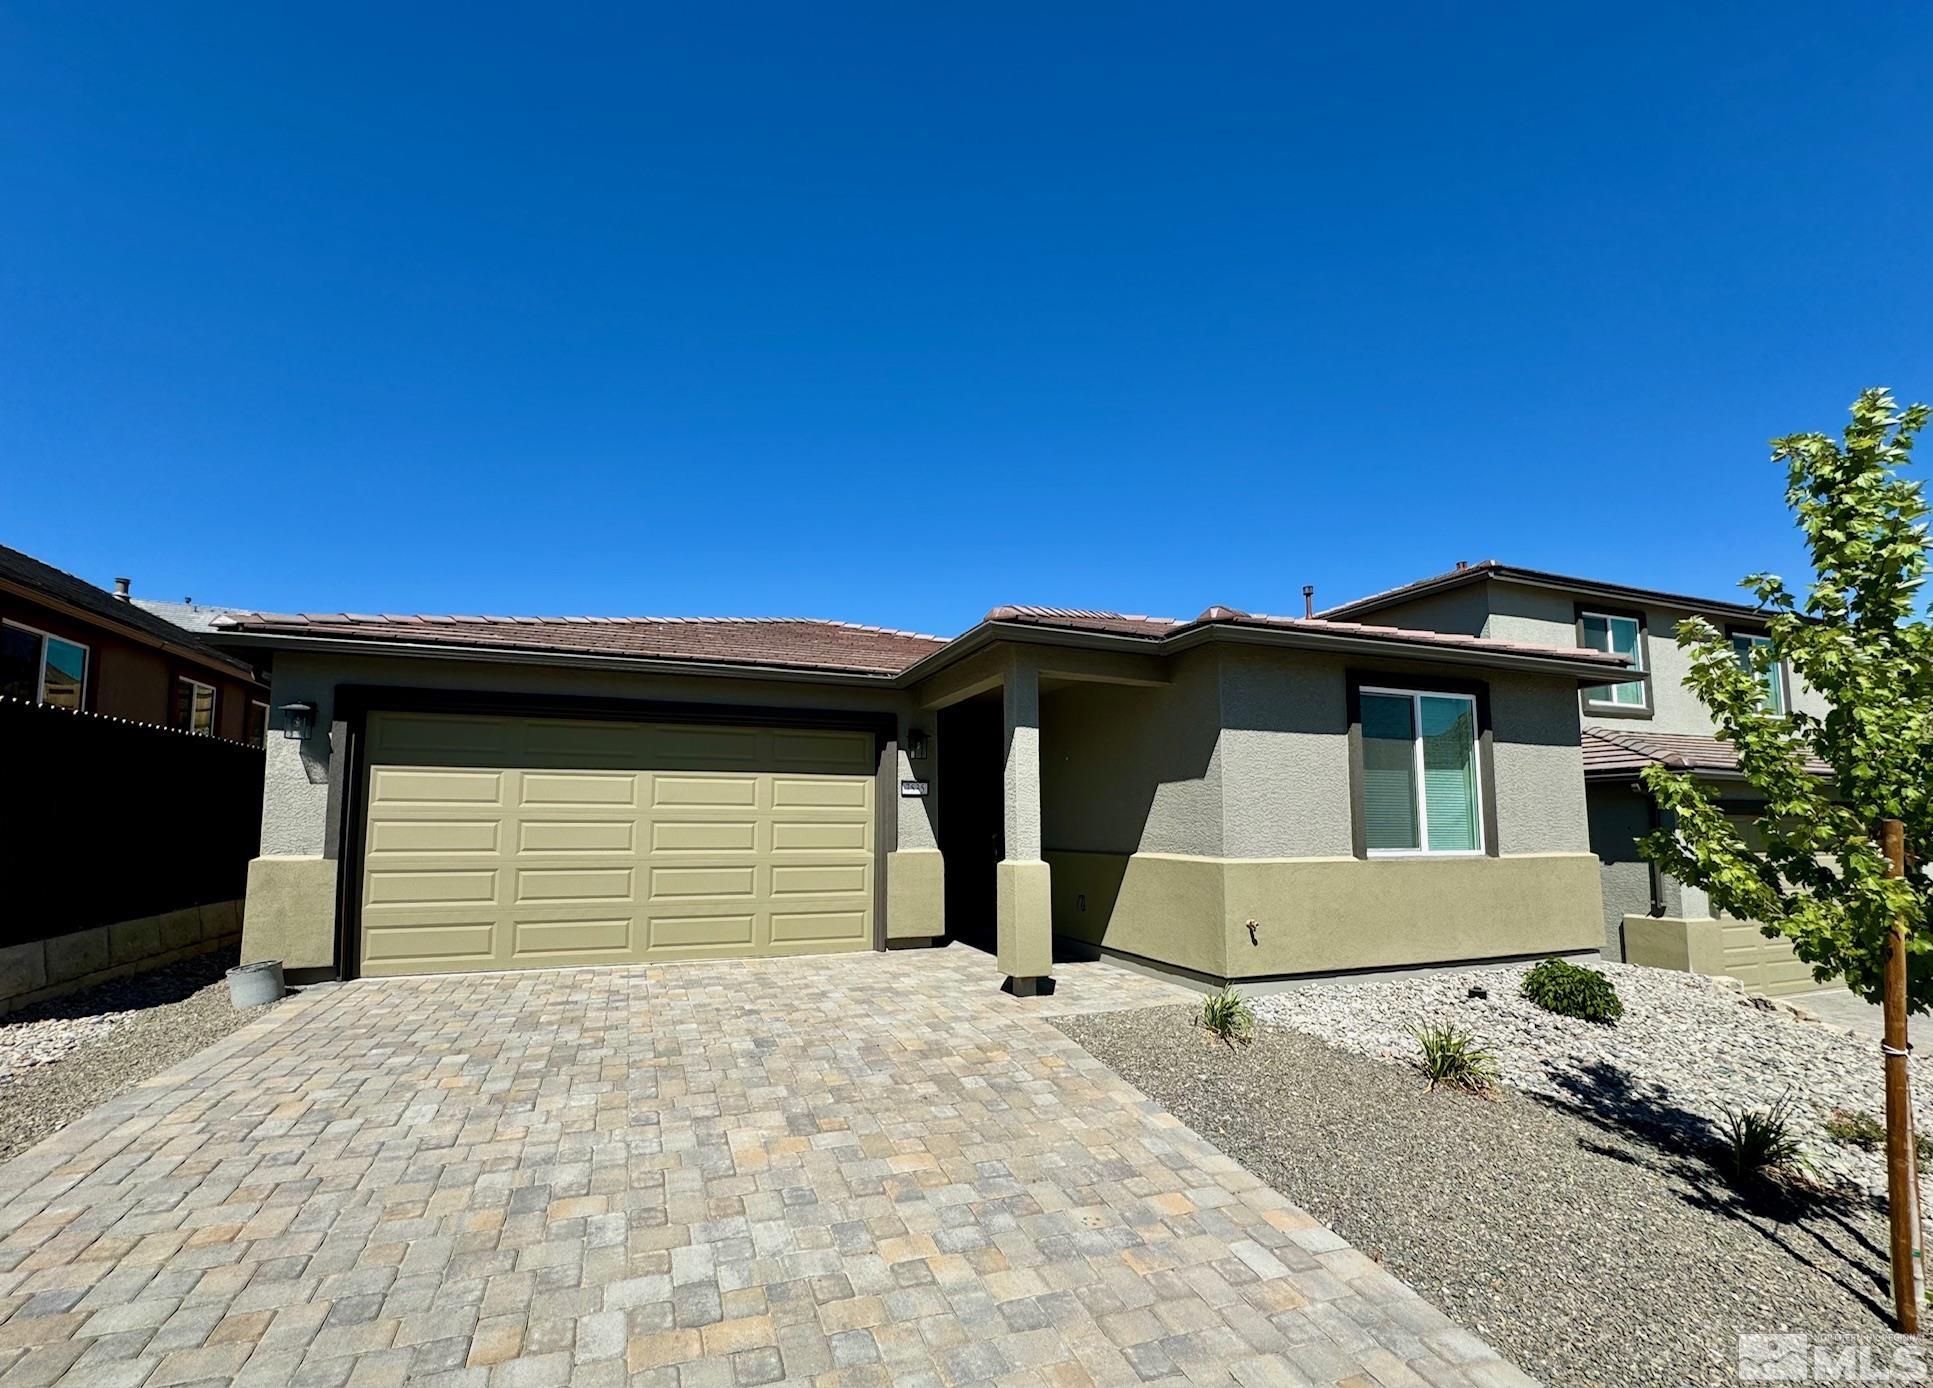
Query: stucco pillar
point(1023, 901)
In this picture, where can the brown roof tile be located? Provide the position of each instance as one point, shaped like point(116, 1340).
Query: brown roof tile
point(1116, 623)
point(1616, 751)
point(791, 642)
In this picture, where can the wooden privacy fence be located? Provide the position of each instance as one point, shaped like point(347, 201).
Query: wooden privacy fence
point(104, 821)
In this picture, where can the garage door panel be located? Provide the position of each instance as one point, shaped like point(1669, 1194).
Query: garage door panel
point(704, 792)
point(573, 884)
point(819, 927)
point(571, 937)
point(821, 836)
point(599, 843)
point(430, 887)
point(821, 792)
point(471, 941)
point(577, 837)
point(598, 789)
point(441, 837)
point(402, 786)
point(719, 883)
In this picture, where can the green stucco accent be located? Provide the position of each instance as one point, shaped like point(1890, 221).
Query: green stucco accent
point(915, 894)
point(1024, 918)
point(1703, 945)
point(1316, 915)
point(290, 912)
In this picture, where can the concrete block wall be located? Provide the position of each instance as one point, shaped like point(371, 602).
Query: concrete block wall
point(42, 969)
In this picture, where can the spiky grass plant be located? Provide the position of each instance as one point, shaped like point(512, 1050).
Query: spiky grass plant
point(1227, 1015)
point(1454, 1059)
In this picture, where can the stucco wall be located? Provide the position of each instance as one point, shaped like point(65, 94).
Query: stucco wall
point(1130, 769)
point(1619, 815)
point(1285, 755)
point(1539, 766)
point(296, 781)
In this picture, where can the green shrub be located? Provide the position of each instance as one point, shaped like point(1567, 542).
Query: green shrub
point(1227, 1014)
point(1452, 1057)
point(1758, 1142)
point(1570, 991)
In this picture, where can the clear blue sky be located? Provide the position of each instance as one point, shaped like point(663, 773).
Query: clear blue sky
point(894, 312)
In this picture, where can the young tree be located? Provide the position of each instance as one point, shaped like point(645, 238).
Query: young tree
point(1813, 869)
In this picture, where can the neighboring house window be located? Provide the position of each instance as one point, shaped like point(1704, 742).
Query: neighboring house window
point(257, 730)
point(1746, 646)
point(42, 668)
point(195, 706)
point(1420, 772)
point(1603, 631)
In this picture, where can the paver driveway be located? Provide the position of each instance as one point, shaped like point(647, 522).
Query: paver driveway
point(855, 1170)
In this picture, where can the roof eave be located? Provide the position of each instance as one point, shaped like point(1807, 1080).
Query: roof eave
point(1558, 583)
point(186, 649)
point(500, 655)
point(1586, 673)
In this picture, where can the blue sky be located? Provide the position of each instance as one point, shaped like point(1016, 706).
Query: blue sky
point(893, 313)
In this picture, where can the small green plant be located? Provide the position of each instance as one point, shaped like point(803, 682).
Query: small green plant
point(1227, 1014)
point(1453, 1058)
point(1758, 1142)
point(1570, 991)
point(1851, 1127)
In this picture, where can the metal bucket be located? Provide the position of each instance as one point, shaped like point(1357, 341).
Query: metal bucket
point(253, 985)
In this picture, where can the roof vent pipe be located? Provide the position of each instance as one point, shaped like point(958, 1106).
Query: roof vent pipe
point(1462, 564)
point(1308, 600)
point(121, 586)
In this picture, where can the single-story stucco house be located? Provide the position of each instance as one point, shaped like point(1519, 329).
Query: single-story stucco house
point(1228, 798)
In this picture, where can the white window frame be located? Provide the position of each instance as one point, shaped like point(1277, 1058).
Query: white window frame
point(1776, 670)
point(1421, 791)
point(262, 704)
point(40, 676)
point(1638, 668)
point(214, 706)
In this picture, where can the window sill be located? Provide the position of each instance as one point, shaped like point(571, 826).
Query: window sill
point(1592, 710)
point(1427, 853)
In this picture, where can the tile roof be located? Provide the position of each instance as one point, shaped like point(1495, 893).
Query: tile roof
point(792, 642)
point(1121, 624)
point(1493, 568)
point(1615, 751)
point(28, 572)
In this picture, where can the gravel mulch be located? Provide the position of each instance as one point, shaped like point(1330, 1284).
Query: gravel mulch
point(61, 1058)
point(1685, 1051)
point(1589, 1252)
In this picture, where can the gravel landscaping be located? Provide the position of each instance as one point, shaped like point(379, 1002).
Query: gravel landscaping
point(59, 1059)
point(1685, 1050)
point(1590, 1249)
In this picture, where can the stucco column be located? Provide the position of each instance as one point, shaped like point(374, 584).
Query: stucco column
point(1024, 922)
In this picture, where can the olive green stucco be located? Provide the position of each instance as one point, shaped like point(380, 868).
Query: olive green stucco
point(290, 912)
point(1325, 915)
point(915, 894)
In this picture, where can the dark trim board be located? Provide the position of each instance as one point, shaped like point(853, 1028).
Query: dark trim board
point(348, 760)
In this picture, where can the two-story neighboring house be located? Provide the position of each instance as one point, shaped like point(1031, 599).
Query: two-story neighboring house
point(1649, 916)
point(66, 642)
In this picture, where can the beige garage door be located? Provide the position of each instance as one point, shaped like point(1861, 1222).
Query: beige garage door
point(506, 843)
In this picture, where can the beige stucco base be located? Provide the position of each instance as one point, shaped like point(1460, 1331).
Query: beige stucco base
point(290, 913)
point(1702, 945)
point(42, 969)
point(1324, 915)
point(1024, 919)
point(915, 894)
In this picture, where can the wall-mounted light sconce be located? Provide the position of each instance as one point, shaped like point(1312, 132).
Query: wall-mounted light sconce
point(298, 721)
point(916, 744)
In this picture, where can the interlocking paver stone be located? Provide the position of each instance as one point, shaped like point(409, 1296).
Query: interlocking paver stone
point(846, 1170)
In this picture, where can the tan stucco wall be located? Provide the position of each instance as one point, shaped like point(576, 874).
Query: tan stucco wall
point(290, 912)
point(1023, 926)
point(1328, 914)
point(915, 894)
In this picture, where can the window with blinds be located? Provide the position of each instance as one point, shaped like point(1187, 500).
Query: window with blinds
point(1420, 772)
point(1620, 636)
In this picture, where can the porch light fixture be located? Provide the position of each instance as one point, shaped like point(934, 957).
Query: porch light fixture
point(298, 721)
point(916, 744)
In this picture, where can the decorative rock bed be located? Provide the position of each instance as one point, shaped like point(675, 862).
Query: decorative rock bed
point(1687, 1049)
